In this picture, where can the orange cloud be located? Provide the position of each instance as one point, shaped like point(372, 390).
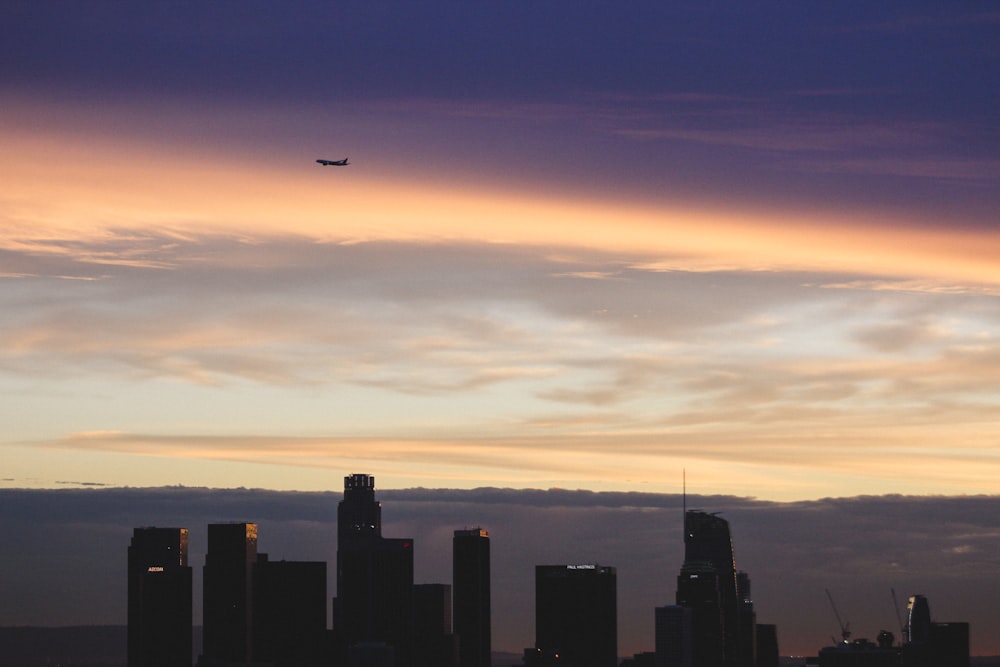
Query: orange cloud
point(81, 188)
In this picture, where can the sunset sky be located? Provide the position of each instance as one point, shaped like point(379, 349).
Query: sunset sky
point(576, 246)
point(579, 245)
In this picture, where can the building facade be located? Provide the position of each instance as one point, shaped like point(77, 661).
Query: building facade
point(672, 636)
point(374, 601)
point(471, 582)
point(290, 609)
point(227, 600)
point(159, 598)
point(576, 614)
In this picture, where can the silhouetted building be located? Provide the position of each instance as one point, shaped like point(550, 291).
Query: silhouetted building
point(927, 644)
point(931, 644)
point(723, 618)
point(673, 627)
point(746, 623)
point(434, 643)
point(698, 589)
point(471, 581)
point(289, 625)
point(159, 598)
point(918, 620)
point(576, 614)
point(227, 600)
point(950, 644)
point(859, 653)
point(374, 601)
point(767, 646)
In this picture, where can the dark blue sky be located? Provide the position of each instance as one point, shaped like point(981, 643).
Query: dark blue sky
point(886, 106)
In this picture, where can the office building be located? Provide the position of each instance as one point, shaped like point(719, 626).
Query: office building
point(672, 636)
point(708, 546)
point(471, 582)
point(933, 644)
point(918, 620)
point(159, 598)
point(434, 643)
point(746, 623)
point(576, 614)
point(290, 608)
point(227, 600)
point(767, 645)
point(698, 590)
point(374, 576)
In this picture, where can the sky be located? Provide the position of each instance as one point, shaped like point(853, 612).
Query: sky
point(580, 246)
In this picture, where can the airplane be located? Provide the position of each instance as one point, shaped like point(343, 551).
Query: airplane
point(334, 163)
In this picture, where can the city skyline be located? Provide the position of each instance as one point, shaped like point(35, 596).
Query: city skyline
point(69, 557)
point(580, 249)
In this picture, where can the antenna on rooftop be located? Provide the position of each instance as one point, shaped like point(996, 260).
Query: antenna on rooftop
point(684, 488)
point(684, 496)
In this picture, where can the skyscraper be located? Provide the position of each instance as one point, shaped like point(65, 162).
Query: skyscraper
point(435, 644)
point(374, 575)
point(672, 634)
point(746, 623)
point(227, 600)
point(471, 582)
point(159, 598)
point(708, 555)
point(767, 645)
point(290, 608)
point(698, 590)
point(576, 614)
point(918, 620)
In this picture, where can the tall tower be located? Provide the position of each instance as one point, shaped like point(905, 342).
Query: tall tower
point(228, 593)
point(359, 515)
point(374, 575)
point(918, 620)
point(708, 551)
point(698, 590)
point(159, 598)
point(576, 614)
point(746, 623)
point(471, 582)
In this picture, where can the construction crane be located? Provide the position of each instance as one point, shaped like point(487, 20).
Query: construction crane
point(845, 628)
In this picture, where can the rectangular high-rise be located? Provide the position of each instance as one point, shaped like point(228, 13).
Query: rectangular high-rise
point(159, 598)
point(374, 575)
point(434, 642)
point(228, 593)
point(471, 582)
point(289, 608)
point(672, 636)
point(576, 614)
